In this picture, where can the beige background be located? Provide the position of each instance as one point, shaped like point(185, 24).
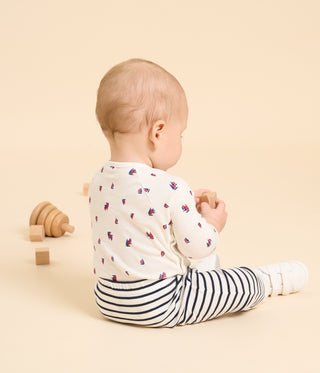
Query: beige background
point(251, 73)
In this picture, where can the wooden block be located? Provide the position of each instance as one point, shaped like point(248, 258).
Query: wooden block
point(36, 232)
point(42, 256)
point(86, 188)
point(210, 198)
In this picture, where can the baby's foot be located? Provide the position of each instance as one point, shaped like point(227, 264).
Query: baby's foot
point(283, 278)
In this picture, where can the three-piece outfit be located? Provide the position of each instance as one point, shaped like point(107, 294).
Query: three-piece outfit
point(146, 231)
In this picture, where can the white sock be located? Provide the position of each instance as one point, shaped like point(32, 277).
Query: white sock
point(266, 280)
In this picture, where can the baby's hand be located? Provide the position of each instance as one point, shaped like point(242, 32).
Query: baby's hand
point(198, 193)
point(217, 217)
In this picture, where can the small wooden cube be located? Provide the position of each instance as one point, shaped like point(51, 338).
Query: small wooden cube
point(36, 232)
point(210, 198)
point(42, 256)
point(86, 188)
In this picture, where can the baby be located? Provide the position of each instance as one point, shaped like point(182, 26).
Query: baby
point(154, 253)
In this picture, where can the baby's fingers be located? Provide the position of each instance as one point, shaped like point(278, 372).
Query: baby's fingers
point(205, 208)
point(220, 205)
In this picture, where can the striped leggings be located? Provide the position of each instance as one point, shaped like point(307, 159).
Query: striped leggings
point(190, 298)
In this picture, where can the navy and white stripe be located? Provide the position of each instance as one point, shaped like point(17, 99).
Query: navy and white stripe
point(183, 299)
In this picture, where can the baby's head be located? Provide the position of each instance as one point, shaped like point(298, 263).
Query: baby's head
point(142, 110)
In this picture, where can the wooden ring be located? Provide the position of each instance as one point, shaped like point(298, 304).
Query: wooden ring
point(44, 213)
point(49, 220)
point(56, 229)
point(36, 211)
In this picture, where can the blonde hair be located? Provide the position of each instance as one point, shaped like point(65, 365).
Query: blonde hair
point(136, 93)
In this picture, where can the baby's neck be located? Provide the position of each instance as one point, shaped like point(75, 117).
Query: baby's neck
point(129, 148)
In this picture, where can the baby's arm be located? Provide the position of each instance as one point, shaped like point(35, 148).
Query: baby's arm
point(196, 238)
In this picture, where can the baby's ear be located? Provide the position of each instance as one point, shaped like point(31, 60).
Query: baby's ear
point(156, 130)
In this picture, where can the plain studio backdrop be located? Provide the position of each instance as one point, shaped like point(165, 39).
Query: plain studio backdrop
point(251, 74)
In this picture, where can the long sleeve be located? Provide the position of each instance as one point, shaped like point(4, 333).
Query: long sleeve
point(195, 237)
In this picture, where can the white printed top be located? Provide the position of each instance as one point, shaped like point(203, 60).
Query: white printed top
point(145, 224)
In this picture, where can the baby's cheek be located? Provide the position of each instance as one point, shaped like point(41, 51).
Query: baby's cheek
point(179, 152)
point(180, 149)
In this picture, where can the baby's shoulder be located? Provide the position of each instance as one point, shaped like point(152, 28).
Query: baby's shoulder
point(167, 183)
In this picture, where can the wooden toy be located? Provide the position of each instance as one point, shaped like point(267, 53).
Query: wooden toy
point(42, 256)
point(36, 232)
point(54, 221)
point(86, 188)
point(209, 197)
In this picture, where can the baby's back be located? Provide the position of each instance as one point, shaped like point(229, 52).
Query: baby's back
point(131, 223)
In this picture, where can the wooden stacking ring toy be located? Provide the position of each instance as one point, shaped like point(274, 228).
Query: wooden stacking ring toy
point(55, 222)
